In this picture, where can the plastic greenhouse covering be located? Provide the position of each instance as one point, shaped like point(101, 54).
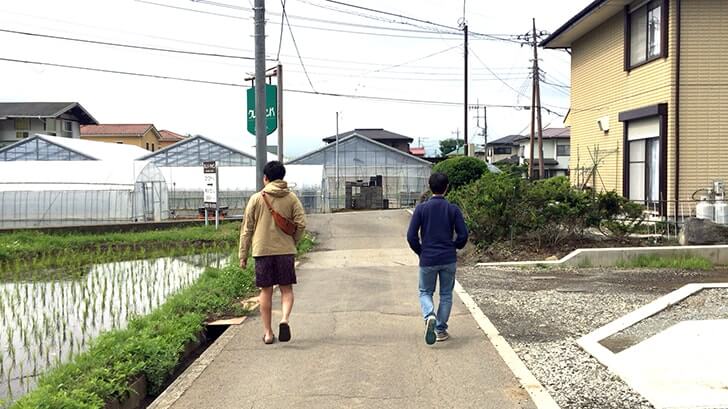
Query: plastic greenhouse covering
point(404, 176)
point(45, 193)
point(237, 184)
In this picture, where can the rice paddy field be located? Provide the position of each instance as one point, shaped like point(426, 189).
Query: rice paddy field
point(54, 302)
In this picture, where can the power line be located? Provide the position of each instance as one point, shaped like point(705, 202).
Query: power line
point(453, 30)
point(280, 38)
point(295, 44)
point(138, 47)
point(239, 85)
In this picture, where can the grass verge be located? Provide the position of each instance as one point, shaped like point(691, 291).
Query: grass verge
point(679, 263)
point(21, 252)
point(149, 346)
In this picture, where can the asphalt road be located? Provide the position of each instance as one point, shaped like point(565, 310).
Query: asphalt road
point(357, 337)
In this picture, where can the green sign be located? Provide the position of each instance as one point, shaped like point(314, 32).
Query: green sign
point(271, 109)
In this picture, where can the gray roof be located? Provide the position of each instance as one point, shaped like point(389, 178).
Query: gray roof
point(45, 110)
point(357, 135)
point(506, 140)
point(551, 133)
point(376, 134)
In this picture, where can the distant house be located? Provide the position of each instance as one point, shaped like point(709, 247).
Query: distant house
point(648, 87)
point(418, 151)
point(19, 120)
point(380, 135)
point(144, 136)
point(504, 149)
point(169, 138)
point(556, 151)
point(478, 151)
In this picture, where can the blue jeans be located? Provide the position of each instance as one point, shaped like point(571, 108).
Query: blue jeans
point(428, 279)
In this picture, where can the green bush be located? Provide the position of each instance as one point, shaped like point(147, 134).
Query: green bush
point(461, 170)
point(504, 206)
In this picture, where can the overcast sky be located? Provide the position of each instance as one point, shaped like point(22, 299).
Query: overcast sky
point(343, 53)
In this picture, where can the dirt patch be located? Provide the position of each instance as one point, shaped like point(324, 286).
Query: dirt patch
point(520, 250)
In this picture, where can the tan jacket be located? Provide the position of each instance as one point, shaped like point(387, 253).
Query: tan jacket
point(259, 228)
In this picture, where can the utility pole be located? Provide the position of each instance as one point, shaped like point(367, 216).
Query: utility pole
point(457, 139)
point(536, 104)
point(465, 107)
point(484, 128)
point(279, 76)
point(260, 130)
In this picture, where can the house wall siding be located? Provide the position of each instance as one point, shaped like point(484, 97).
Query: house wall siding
point(7, 128)
point(141, 141)
point(601, 87)
point(703, 95)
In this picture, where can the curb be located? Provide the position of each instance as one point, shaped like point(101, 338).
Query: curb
point(536, 391)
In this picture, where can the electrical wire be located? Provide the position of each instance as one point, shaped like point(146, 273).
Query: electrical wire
point(239, 85)
point(280, 38)
point(295, 45)
point(138, 47)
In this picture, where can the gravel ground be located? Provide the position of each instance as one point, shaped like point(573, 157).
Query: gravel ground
point(708, 304)
point(542, 312)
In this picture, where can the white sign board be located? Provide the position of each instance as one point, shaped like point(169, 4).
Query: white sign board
point(211, 187)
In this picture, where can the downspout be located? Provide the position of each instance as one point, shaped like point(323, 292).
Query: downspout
point(677, 106)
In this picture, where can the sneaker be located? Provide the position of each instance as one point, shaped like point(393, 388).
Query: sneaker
point(430, 336)
point(442, 336)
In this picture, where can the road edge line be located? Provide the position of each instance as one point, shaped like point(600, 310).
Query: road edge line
point(540, 396)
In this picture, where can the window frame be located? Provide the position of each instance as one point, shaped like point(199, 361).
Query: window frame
point(497, 148)
point(568, 149)
point(664, 33)
point(67, 133)
point(659, 111)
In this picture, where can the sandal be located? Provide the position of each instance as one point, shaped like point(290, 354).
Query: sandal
point(284, 332)
point(269, 341)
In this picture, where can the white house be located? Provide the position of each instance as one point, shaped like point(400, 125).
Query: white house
point(19, 120)
point(556, 151)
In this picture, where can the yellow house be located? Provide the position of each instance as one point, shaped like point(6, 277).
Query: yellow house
point(143, 135)
point(649, 87)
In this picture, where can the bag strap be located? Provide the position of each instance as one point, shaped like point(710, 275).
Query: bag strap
point(267, 203)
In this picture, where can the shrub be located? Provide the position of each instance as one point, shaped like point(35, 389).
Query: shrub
point(503, 206)
point(461, 170)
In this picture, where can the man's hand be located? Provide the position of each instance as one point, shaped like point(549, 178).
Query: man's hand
point(243, 263)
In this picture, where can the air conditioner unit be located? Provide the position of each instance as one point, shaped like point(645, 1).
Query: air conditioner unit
point(603, 123)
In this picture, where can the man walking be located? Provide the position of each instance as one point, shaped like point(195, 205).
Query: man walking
point(430, 235)
point(274, 222)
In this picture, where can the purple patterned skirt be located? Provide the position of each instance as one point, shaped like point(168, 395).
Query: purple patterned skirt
point(272, 270)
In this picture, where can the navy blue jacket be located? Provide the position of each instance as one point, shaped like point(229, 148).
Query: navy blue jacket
point(431, 229)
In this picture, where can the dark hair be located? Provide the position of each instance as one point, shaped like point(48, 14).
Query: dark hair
point(274, 170)
point(438, 183)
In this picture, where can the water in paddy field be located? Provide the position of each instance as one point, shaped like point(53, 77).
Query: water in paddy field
point(45, 323)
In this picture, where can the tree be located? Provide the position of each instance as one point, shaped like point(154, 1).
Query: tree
point(450, 145)
point(461, 170)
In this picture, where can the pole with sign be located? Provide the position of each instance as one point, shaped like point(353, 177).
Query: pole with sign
point(271, 109)
point(211, 190)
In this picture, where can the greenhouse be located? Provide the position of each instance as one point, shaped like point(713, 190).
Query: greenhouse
point(48, 193)
point(236, 185)
point(403, 176)
point(197, 149)
point(55, 148)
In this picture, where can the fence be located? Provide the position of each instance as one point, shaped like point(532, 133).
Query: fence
point(186, 204)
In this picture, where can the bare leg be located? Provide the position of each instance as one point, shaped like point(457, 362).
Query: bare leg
point(286, 301)
point(266, 300)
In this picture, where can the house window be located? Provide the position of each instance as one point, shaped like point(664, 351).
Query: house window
point(120, 142)
point(67, 129)
point(152, 147)
point(646, 31)
point(503, 150)
point(147, 145)
point(563, 150)
point(22, 128)
point(643, 137)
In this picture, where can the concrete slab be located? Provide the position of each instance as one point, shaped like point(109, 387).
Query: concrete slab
point(357, 338)
point(684, 366)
